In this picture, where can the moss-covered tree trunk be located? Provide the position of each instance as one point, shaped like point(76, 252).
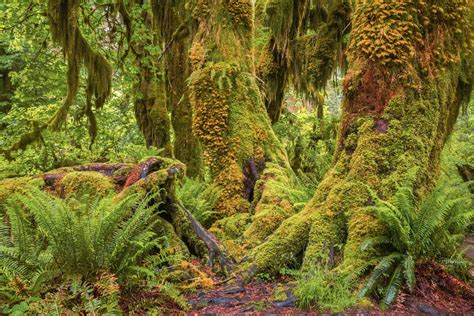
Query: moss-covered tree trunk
point(177, 39)
point(402, 94)
point(151, 111)
point(230, 119)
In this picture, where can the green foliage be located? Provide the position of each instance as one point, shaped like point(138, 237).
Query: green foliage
point(199, 198)
point(36, 72)
point(432, 231)
point(74, 237)
point(326, 290)
point(309, 142)
point(82, 254)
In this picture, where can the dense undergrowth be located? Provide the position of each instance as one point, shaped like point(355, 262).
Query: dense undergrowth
point(81, 254)
point(89, 252)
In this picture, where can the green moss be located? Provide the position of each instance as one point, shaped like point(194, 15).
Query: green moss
point(175, 246)
point(185, 232)
point(231, 122)
point(78, 183)
point(228, 113)
point(231, 227)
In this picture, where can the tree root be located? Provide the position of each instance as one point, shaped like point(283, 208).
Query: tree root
point(215, 247)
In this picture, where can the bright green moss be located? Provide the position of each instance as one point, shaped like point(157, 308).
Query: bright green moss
point(174, 244)
point(231, 227)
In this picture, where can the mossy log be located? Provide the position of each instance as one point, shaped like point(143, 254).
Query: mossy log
point(155, 174)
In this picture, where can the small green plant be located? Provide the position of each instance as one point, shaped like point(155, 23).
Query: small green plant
point(326, 290)
point(432, 231)
point(199, 198)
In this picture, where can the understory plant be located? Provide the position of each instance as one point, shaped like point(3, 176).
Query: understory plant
point(199, 198)
point(46, 241)
point(432, 231)
point(325, 290)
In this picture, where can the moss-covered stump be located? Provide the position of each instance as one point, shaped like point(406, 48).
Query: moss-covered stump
point(402, 97)
point(79, 183)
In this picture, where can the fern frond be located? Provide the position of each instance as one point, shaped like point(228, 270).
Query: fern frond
point(393, 287)
point(382, 267)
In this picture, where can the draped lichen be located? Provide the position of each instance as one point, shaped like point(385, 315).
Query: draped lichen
point(64, 25)
point(304, 47)
point(65, 30)
point(316, 53)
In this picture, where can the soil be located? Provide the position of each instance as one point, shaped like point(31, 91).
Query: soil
point(437, 292)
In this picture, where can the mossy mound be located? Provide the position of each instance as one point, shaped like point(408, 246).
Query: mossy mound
point(8, 187)
point(79, 183)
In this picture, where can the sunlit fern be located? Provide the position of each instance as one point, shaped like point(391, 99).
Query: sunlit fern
point(199, 198)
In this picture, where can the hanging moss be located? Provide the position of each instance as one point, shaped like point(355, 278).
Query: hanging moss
point(186, 146)
point(150, 103)
point(64, 25)
point(315, 54)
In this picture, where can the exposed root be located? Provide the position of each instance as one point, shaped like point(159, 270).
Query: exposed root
point(216, 249)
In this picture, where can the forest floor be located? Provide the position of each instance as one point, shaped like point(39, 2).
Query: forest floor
point(436, 293)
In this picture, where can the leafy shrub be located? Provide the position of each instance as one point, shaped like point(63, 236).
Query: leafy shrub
point(326, 290)
point(433, 231)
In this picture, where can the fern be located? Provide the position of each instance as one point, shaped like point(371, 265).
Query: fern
point(75, 237)
point(199, 198)
point(432, 231)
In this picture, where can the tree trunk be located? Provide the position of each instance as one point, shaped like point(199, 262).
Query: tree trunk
point(245, 157)
point(151, 111)
point(186, 146)
point(402, 97)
